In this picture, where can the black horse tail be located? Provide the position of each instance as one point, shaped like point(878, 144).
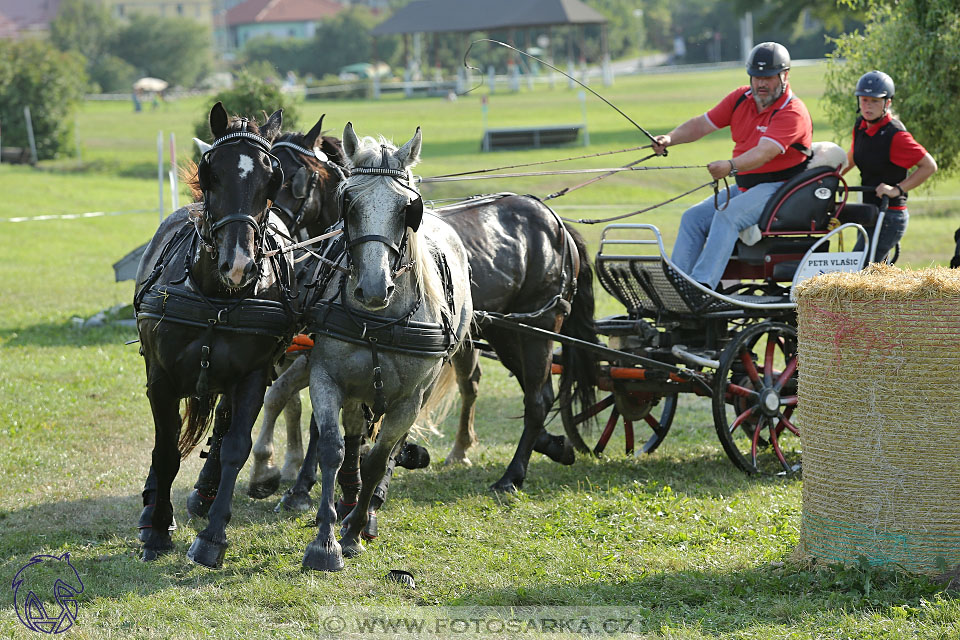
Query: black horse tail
point(955, 260)
point(578, 380)
point(196, 421)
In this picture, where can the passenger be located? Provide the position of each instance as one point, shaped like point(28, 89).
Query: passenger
point(884, 151)
point(772, 134)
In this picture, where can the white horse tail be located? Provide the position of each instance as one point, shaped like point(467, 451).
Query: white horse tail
point(439, 403)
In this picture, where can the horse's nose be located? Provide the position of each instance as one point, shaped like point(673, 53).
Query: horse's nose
point(374, 300)
point(238, 271)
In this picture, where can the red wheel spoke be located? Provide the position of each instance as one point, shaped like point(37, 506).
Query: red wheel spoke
point(749, 367)
point(768, 358)
point(628, 436)
point(743, 392)
point(607, 431)
point(740, 418)
point(776, 448)
point(788, 401)
point(785, 423)
point(788, 372)
point(594, 410)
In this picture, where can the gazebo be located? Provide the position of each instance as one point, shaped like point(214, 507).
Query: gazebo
point(467, 16)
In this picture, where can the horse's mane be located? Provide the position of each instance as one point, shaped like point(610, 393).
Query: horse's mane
point(188, 172)
point(328, 144)
point(425, 267)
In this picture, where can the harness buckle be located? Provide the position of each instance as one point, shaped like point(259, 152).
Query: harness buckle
point(204, 356)
point(219, 319)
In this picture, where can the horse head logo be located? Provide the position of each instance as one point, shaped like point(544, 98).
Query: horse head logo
point(45, 593)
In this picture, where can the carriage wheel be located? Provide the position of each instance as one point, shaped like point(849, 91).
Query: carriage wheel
point(754, 399)
point(656, 413)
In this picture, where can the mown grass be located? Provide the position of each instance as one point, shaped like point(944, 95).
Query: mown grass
point(680, 539)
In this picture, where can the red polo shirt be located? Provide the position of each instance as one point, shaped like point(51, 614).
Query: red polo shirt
point(904, 150)
point(784, 122)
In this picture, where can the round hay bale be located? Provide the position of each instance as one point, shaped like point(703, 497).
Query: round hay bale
point(879, 401)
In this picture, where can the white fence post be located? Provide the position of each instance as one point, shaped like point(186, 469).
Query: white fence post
point(174, 178)
point(160, 170)
point(33, 142)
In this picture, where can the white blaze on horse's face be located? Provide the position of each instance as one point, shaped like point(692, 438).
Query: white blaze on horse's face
point(244, 166)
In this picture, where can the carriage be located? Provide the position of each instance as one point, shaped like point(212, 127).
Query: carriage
point(736, 346)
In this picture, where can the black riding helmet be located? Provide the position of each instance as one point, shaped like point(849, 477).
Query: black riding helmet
point(768, 59)
point(875, 84)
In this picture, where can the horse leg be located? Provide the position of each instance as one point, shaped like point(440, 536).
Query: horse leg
point(466, 364)
point(326, 445)
point(297, 497)
point(280, 397)
point(533, 373)
point(210, 545)
point(149, 495)
point(205, 490)
point(349, 475)
point(165, 406)
point(293, 457)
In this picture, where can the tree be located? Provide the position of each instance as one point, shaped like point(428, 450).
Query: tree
point(345, 39)
point(174, 49)
point(35, 74)
point(87, 27)
point(917, 42)
point(250, 97)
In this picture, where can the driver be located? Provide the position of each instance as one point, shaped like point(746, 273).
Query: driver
point(884, 151)
point(772, 134)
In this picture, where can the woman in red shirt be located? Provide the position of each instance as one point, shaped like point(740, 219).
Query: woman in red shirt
point(884, 151)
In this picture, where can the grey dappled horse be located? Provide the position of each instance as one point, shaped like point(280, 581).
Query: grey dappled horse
point(383, 332)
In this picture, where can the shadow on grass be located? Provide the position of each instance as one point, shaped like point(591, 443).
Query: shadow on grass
point(65, 334)
point(723, 602)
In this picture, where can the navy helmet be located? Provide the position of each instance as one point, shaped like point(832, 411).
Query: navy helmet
point(768, 59)
point(875, 84)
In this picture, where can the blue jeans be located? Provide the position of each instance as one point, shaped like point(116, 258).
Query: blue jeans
point(891, 232)
point(706, 236)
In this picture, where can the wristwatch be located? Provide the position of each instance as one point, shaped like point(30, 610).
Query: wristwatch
point(733, 168)
point(900, 189)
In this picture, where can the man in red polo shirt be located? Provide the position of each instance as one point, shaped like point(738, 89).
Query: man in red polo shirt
point(884, 151)
point(772, 134)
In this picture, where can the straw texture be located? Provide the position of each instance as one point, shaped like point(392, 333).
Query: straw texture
point(879, 401)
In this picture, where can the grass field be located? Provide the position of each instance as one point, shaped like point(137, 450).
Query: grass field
point(680, 542)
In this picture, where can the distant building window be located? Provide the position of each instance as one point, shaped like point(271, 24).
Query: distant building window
point(179, 9)
point(120, 10)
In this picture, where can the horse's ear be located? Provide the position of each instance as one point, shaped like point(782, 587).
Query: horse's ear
point(350, 141)
point(310, 140)
point(218, 120)
point(409, 154)
point(271, 128)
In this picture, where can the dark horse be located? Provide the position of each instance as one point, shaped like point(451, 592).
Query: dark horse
point(213, 314)
point(527, 266)
point(313, 168)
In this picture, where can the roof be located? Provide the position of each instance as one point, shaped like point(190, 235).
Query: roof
point(263, 11)
point(19, 16)
point(436, 16)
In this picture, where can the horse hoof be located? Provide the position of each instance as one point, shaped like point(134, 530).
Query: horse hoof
point(344, 509)
point(265, 487)
point(149, 555)
point(156, 548)
point(206, 553)
point(370, 529)
point(557, 448)
point(294, 501)
point(351, 549)
point(504, 486)
point(145, 525)
point(413, 456)
point(323, 558)
point(198, 504)
point(452, 460)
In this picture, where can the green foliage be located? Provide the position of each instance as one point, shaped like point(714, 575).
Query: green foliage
point(174, 49)
point(112, 74)
point(917, 42)
point(345, 39)
point(291, 54)
point(87, 27)
point(250, 97)
point(34, 74)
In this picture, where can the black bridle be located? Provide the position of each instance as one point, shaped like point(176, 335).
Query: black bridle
point(304, 182)
point(205, 229)
point(413, 210)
